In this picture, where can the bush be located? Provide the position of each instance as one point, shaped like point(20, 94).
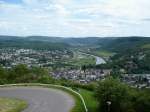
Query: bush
point(23, 74)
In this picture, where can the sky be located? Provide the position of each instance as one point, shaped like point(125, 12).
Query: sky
point(75, 18)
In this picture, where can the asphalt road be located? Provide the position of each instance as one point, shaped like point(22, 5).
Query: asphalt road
point(40, 99)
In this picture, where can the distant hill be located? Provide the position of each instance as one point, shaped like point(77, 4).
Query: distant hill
point(115, 44)
point(72, 41)
point(21, 42)
point(4, 38)
point(125, 43)
point(87, 41)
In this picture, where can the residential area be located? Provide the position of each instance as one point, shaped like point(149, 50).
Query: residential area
point(82, 76)
point(13, 56)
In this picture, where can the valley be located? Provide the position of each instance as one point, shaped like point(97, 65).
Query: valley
point(78, 63)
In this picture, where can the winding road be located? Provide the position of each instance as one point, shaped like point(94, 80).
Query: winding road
point(40, 99)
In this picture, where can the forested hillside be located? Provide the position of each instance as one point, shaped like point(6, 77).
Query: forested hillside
point(21, 42)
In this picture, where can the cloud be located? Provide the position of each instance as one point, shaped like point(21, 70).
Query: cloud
point(75, 17)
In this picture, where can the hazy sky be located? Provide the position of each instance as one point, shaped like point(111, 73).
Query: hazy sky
point(75, 17)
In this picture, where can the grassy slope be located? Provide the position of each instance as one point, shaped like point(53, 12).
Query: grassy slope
point(147, 46)
point(103, 53)
point(90, 100)
point(11, 105)
point(86, 61)
point(82, 59)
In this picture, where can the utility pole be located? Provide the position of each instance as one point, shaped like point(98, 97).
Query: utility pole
point(108, 105)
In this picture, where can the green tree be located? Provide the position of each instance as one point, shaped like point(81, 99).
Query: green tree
point(18, 73)
point(111, 94)
point(142, 101)
point(3, 75)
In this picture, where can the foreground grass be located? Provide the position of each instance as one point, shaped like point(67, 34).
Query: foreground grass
point(11, 105)
point(90, 100)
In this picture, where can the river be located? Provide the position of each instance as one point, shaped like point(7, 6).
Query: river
point(99, 60)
